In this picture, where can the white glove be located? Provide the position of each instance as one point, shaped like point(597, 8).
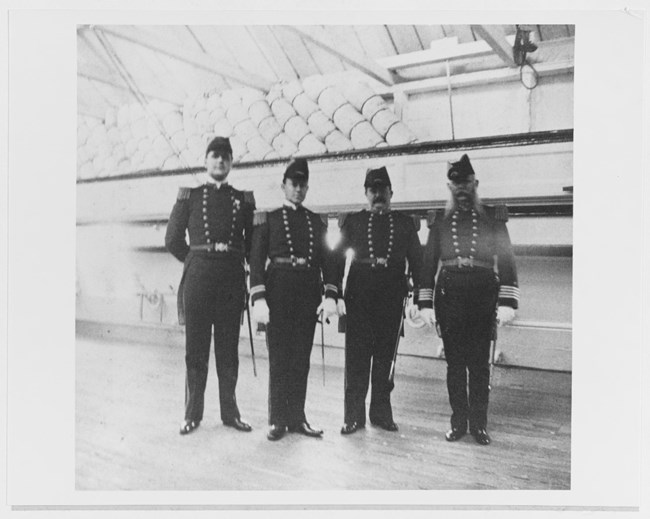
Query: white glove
point(413, 317)
point(261, 311)
point(412, 312)
point(505, 314)
point(340, 307)
point(428, 316)
point(328, 307)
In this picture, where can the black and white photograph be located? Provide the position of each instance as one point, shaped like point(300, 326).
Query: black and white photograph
point(310, 257)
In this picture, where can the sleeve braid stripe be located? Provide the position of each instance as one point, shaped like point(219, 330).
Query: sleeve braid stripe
point(258, 289)
point(332, 288)
point(509, 292)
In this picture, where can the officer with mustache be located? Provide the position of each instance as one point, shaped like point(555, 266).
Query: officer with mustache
point(382, 242)
point(471, 291)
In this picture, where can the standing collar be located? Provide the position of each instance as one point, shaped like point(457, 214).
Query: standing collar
point(217, 184)
point(293, 206)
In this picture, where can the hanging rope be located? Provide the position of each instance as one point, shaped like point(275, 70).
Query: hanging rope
point(534, 76)
point(451, 106)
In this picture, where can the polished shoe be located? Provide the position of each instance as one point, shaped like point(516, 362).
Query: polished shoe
point(387, 425)
point(276, 432)
point(455, 434)
point(238, 424)
point(188, 426)
point(306, 429)
point(481, 436)
point(350, 428)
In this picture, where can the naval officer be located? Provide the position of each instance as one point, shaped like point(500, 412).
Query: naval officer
point(383, 242)
point(291, 268)
point(472, 293)
point(219, 221)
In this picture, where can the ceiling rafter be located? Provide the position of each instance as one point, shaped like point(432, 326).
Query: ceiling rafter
point(196, 59)
point(319, 37)
point(495, 37)
point(92, 75)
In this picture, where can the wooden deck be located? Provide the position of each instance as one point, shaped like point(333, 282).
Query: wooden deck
point(130, 404)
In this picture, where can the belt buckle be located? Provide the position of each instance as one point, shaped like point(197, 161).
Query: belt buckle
point(220, 247)
point(295, 261)
point(382, 261)
point(465, 262)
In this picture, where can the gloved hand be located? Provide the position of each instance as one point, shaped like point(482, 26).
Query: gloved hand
point(412, 312)
point(428, 316)
point(505, 314)
point(261, 311)
point(340, 307)
point(413, 317)
point(328, 307)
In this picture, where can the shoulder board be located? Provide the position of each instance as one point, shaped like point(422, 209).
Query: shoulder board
point(184, 193)
point(324, 218)
point(417, 222)
point(500, 213)
point(432, 215)
point(342, 218)
point(249, 197)
point(260, 217)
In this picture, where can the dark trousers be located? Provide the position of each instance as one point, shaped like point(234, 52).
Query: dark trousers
point(292, 296)
point(465, 303)
point(374, 306)
point(213, 295)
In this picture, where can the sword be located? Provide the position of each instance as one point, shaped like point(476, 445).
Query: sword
point(493, 347)
point(391, 373)
point(250, 330)
point(322, 344)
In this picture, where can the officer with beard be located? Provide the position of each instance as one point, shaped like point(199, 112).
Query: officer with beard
point(382, 242)
point(464, 240)
point(291, 264)
point(219, 221)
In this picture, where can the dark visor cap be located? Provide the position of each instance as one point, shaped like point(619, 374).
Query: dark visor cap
point(377, 177)
point(297, 169)
point(219, 145)
point(460, 171)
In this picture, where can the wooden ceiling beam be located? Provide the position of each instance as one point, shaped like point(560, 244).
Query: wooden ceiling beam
point(91, 75)
point(196, 59)
point(367, 66)
point(495, 37)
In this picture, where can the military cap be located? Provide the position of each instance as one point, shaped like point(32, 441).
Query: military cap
point(219, 145)
point(297, 169)
point(377, 177)
point(459, 171)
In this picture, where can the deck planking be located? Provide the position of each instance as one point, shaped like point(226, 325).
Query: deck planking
point(130, 404)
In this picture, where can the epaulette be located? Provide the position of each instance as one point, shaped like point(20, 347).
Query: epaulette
point(184, 193)
point(417, 222)
point(342, 217)
point(500, 213)
point(432, 214)
point(249, 197)
point(260, 217)
point(324, 218)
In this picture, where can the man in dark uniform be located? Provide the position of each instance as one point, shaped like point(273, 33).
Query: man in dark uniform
point(382, 241)
point(219, 221)
point(465, 238)
point(287, 296)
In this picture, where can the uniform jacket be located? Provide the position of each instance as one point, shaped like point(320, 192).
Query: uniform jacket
point(462, 236)
point(218, 218)
point(387, 240)
point(290, 232)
